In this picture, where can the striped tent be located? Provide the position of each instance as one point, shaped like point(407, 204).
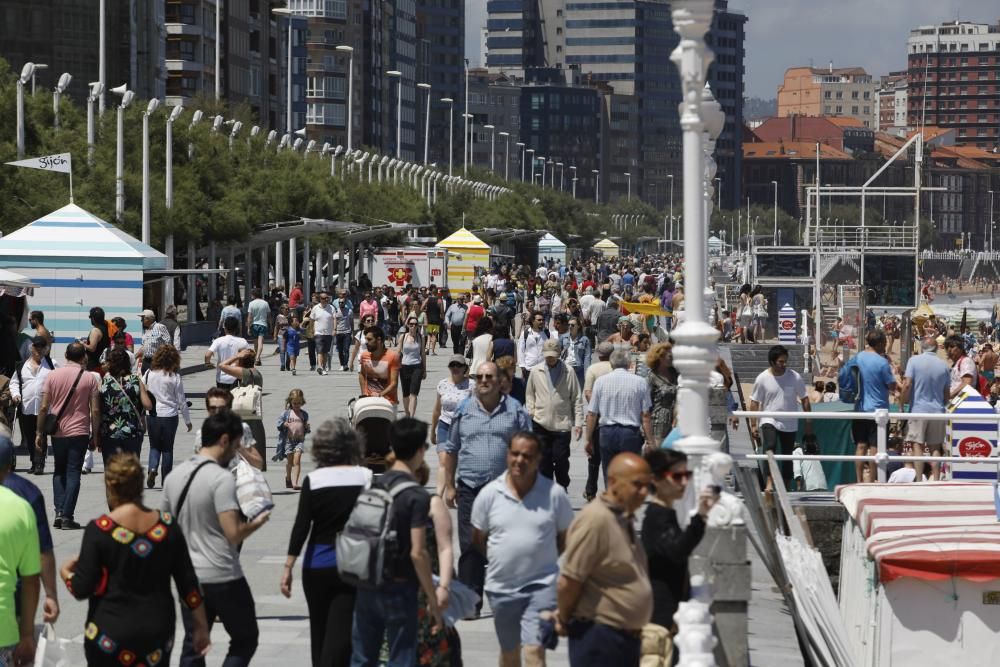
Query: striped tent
point(79, 261)
point(468, 256)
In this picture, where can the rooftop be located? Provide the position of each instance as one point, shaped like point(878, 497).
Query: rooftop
point(791, 150)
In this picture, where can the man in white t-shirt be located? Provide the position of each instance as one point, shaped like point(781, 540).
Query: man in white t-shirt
point(226, 347)
point(322, 315)
point(258, 321)
point(778, 389)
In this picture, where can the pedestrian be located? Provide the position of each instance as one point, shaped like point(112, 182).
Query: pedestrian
point(474, 313)
point(412, 351)
point(154, 334)
point(359, 338)
point(226, 347)
point(322, 317)
point(258, 321)
point(201, 497)
point(451, 391)
point(619, 410)
point(71, 394)
point(281, 322)
point(606, 323)
point(165, 386)
point(481, 344)
point(293, 425)
point(454, 317)
point(293, 343)
point(219, 399)
point(36, 322)
point(97, 339)
point(476, 452)
point(309, 331)
point(576, 350)
point(241, 367)
point(126, 562)
point(778, 389)
point(20, 559)
point(121, 325)
point(295, 299)
point(926, 387)
point(529, 343)
point(230, 310)
point(124, 402)
point(520, 520)
point(599, 368)
point(877, 381)
point(25, 392)
point(170, 322)
point(390, 611)
point(510, 383)
point(434, 313)
point(328, 495)
point(378, 372)
point(963, 368)
point(343, 311)
point(554, 400)
point(663, 382)
point(604, 593)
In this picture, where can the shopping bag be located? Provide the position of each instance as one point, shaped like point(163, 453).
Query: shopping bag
point(54, 652)
point(88, 461)
point(252, 491)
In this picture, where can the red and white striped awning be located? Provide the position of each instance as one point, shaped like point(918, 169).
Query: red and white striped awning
point(931, 531)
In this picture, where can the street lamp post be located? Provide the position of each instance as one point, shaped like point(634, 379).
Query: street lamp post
point(427, 119)
point(493, 146)
point(465, 124)
point(531, 158)
point(451, 132)
point(218, 53)
point(506, 155)
point(541, 158)
point(562, 174)
point(774, 239)
point(991, 219)
point(27, 74)
point(671, 177)
point(470, 126)
point(552, 173)
point(396, 74)
point(127, 97)
point(520, 144)
point(288, 14)
point(101, 55)
point(38, 68)
point(168, 245)
point(151, 108)
point(574, 179)
point(96, 91)
point(60, 88)
point(628, 177)
point(349, 50)
point(597, 185)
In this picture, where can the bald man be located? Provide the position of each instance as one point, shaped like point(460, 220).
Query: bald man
point(604, 592)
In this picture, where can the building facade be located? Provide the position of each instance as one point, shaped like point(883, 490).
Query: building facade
point(440, 62)
point(844, 91)
point(891, 102)
point(494, 99)
point(727, 38)
point(954, 80)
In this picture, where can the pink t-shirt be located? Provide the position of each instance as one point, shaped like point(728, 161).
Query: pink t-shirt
point(76, 418)
point(368, 308)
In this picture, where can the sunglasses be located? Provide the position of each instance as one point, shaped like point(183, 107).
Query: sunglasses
point(411, 324)
point(679, 477)
point(456, 365)
point(484, 376)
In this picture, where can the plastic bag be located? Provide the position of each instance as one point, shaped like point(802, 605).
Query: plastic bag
point(462, 602)
point(252, 491)
point(54, 652)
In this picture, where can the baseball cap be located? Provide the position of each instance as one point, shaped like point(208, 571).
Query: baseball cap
point(458, 359)
point(550, 348)
point(148, 313)
point(6, 452)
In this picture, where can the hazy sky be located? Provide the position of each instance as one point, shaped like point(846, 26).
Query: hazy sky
point(867, 33)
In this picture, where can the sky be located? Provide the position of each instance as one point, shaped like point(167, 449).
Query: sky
point(866, 33)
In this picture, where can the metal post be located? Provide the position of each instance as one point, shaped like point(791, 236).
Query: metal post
point(218, 49)
point(120, 168)
point(292, 257)
point(101, 55)
point(882, 460)
point(465, 126)
point(306, 270)
point(168, 283)
point(146, 224)
point(231, 276)
point(279, 266)
point(213, 263)
point(20, 119)
point(192, 290)
point(427, 121)
point(288, 83)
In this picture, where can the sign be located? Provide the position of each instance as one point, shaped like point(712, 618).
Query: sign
point(972, 439)
point(786, 324)
point(399, 276)
point(435, 272)
point(61, 162)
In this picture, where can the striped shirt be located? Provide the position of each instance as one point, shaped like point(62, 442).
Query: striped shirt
point(153, 339)
point(620, 398)
point(480, 438)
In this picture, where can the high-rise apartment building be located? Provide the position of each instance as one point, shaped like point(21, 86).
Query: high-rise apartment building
point(516, 34)
point(954, 80)
point(829, 91)
point(725, 77)
point(441, 63)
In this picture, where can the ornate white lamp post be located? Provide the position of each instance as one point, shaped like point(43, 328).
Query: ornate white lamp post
point(714, 120)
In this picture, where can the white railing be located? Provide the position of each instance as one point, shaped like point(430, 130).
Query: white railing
point(882, 236)
point(881, 417)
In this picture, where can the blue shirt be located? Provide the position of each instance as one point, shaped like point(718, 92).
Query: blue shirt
point(293, 338)
point(480, 438)
point(930, 378)
point(876, 376)
point(620, 398)
point(232, 311)
point(522, 533)
point(31, 493)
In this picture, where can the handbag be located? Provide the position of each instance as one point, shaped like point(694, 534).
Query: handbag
point(252, 491)
point(152, 399)
point(50, 426)
point(51, 651)
point(247, 398)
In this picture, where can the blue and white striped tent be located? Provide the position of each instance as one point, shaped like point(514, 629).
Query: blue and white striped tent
point(79, 261)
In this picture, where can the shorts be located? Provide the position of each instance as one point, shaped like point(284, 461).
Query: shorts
point(410, 378)
point(7, 655)
point(257, 330)
point(866, 431)
point(926, 432)
point(292, 447)
point(517, 616)
point(323, 343)
point(433, 328)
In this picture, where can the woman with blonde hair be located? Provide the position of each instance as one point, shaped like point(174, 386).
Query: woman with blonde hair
point(663, 381)
point(166, 388)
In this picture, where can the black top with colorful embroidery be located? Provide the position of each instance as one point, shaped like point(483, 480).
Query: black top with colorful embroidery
point(126, 576)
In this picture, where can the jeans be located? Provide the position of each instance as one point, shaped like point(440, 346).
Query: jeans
point(617, 439)
point(233, 603)
point(594, 466)
point(599, 645)
point(457, 339)
point(110, 447)
point(29, 430)
point(162, 431)
point(443, 431)
point(555, 454)
point(344, 348)
point(390, 613)
point(68, 454)
point(311, 346)
point(471, 561)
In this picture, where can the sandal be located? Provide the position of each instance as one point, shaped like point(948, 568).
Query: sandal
point(288, 482)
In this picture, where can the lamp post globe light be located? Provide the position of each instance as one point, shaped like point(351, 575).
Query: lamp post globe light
point(396, 74)
point(451, 132)
point(350, 90)
point(57, 92)
point(127, 97)
point(27, 74)
point(506, 155)
point(597, 185)
point(552, 174)
point(628, 177)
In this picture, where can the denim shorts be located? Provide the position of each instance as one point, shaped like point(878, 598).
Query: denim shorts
point(258, 330)
point(293, 447)
point(516, 616)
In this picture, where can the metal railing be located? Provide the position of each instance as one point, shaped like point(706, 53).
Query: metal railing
point(881, 417)
point(872, 236)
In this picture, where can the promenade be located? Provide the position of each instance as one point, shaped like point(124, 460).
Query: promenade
point(284, 623)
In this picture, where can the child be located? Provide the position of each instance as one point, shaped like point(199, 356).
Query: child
point(293, 424)
point(830, 394)
point(808, 475)
point(816, 395)
point(280, 327)
point(293, 337)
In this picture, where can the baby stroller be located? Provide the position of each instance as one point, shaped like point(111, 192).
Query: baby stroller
point(372, 416)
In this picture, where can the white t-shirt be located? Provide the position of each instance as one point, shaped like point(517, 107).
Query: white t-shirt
point(322, 316)
point(779, 394)
point(903, 476)
point(225, 348)
point(811, 472)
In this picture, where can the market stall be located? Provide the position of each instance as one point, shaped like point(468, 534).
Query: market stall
point(607, 248)
point(468, 257)
point(551, 249)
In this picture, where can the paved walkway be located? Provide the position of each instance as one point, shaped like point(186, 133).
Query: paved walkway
point(284, 623)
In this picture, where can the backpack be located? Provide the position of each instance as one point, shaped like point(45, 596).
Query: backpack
point(367, 547)
point(247, 399)
point(849, 382)
point(501, 321)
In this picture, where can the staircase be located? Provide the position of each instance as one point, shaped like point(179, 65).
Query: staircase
point(968, 267)
point(750, 360)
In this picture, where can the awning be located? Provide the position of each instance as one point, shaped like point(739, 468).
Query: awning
point(930, 531)
point(14, 284)
point(379, 230)
point(158, 275)
point(492, 234)
point(273, 232)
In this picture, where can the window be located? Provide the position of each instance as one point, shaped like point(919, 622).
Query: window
point(840, 94)
point(826, 94)
point(325, 114)
point(854, 94)
point(329, 87)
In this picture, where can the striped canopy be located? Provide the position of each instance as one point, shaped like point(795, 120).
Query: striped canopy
point(72, 233)
point(930, 531)
point(463, 239)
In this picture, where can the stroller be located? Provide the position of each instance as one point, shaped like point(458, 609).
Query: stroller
point(372, 416)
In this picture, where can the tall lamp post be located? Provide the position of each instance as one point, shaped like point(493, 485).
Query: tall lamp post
point(465, 123)
point(96, 91)
point(506, 155)
point(520, 144)
point(493, 146)
point(597, 185)
point(991, 219)
point(60, 88)
point(218, 52)
point(774, 239)
point(27, 74)
point(398, 76)
point(127, 97)
point(628, 177)
point(671, 177)
point(168, 245)
point(426, 87)
point(288, 14)
point(541, 158)
point(101, 55)
point(451, 132)
point(531, 158)
point(349, 50)
point(574, 179)
point(151, 108)
point(38, 67)
point(562, 173)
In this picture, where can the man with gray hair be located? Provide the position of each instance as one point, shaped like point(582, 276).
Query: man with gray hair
point(598, 369)
point(619, 412)
point(926, 386)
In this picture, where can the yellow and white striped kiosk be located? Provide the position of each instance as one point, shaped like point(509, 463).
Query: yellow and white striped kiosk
point(467, 256)
point(607, 247)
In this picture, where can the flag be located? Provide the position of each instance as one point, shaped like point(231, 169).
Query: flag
point(61, 162)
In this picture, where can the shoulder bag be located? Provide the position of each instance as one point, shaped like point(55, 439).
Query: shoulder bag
point(187, 487)
point(51, 424)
